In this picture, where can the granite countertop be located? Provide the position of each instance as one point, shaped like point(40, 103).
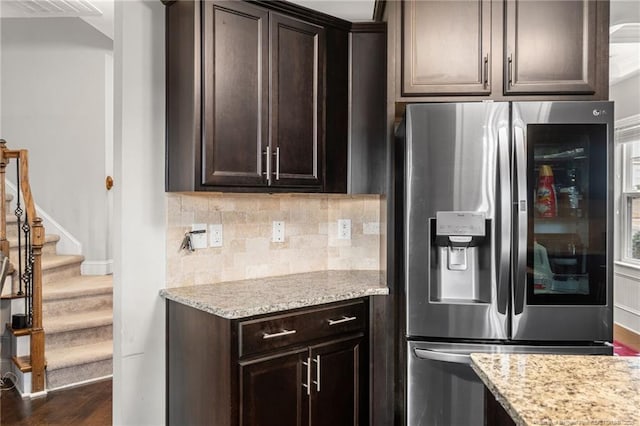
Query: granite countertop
point(563, 389)
point(245, 298)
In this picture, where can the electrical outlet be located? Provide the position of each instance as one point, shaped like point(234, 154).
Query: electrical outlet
point(199, 240)
point(344, 229)
point(278, 232)
point(215, 235)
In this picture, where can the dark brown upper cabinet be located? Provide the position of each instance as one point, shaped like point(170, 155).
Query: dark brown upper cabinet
point(268, 96)
point(447, 46)
point(235, 94)
point(550, 47)
point(297, 93)
point(245, 97)
point(501, 49)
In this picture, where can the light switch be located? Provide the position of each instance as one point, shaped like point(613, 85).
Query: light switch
point(199, 240)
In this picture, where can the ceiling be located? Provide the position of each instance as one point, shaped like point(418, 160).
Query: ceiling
point(99, 13)
point(624, 18)
point(353, 10)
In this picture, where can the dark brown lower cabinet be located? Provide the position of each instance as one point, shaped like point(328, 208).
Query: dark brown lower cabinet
point(301, 367)
point(271, 394)
point(336, 390)
point(494, 413)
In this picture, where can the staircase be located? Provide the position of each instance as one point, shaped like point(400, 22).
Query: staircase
point(77, 316)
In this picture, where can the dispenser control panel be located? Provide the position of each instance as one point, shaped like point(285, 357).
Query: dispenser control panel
point(450, 224)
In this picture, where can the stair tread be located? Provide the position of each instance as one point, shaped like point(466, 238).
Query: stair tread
point(78, 286)
point(77, 355)
point(19, 331)
point(48, 238)
point(50, 261)
point(78, 321)
point(23, 363)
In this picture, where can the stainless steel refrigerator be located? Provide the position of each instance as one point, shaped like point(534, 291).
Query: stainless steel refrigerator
point(506, 242)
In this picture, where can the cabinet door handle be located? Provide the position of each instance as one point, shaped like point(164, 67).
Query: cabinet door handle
point(307, 385)
point(277, 173)
point(485, 71)
point(317, 381)
point(279, 334)
point(343, 319)
point(510, 69)
point(267, 173)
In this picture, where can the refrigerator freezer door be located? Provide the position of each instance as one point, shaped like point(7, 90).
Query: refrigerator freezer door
point(442, 389)
point(457, 160)
point(563, 214)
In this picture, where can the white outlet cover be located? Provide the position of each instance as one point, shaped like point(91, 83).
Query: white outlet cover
point(199, 241)
point(215, 235)
point(278, 232)
point(344, 229)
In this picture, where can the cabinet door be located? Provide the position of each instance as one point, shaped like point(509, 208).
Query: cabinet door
point(550, 47)
point(446, 47)
point(297, 95)
point(235, 93)
point(272, 392)
point(338, 378)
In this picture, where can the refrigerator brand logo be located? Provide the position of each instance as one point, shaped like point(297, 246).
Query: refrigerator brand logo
point(598, 112)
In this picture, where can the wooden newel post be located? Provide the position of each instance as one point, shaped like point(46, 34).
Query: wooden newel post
point(37, 332)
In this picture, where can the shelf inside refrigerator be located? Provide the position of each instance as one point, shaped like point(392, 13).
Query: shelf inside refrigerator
point(561, 284)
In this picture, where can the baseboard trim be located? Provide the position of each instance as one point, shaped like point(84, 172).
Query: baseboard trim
point(627, 337)
point(36, 395)
point(97, 267)
point(82, 383)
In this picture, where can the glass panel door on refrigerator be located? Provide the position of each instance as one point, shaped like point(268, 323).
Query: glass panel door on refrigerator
point(567, 214)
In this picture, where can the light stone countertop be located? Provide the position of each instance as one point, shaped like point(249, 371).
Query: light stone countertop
point(563, 389)
point(245, 298)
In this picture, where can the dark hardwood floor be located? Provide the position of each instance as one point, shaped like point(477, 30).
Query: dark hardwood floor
point(84, 405)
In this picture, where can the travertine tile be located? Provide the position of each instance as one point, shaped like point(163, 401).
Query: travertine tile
point(310, 235)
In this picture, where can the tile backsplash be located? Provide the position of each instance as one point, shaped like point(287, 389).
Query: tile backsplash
point(311, 235)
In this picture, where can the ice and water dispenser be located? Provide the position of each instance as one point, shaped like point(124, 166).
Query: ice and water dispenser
point(460, 269)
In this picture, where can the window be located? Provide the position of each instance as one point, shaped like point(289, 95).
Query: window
point(630, 197)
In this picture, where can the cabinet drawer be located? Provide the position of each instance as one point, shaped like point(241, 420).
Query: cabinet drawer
point(278, 331)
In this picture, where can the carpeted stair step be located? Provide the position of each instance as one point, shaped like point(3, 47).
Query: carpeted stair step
point(54, 268)
point(76, 364)
point(84, 293)
point(49, 247)
point(75, 329)
point(60, 267)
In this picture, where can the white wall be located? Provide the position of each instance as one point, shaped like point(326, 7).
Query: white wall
point(626, 277)
point(627, 104)
point(140, 210)
point(53, 77)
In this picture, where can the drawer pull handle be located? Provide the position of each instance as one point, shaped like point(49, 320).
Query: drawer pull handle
point(341, 320)
point(280, 334)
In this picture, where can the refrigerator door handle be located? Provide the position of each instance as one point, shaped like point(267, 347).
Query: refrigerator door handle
point(503, 257)
point(434, 355)
point(520, 276)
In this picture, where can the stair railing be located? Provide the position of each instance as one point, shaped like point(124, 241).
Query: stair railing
point(29, 258)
